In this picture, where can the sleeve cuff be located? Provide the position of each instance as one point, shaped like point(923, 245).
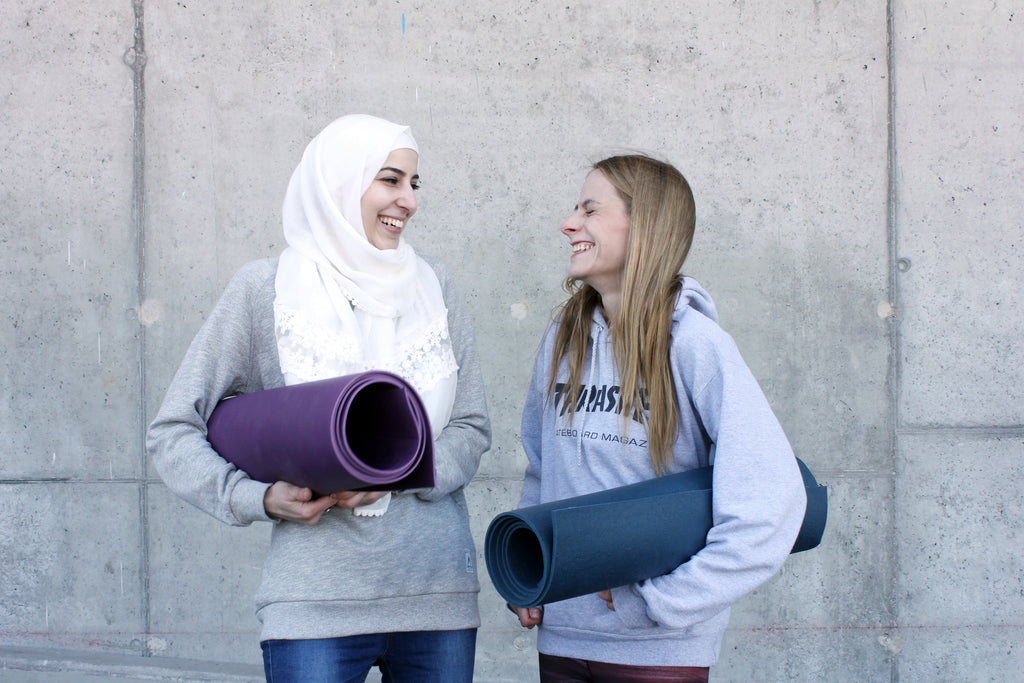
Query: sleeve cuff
point(247, 502)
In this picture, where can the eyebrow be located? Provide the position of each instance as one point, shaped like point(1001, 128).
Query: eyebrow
point(396, 170)
point(587, 203)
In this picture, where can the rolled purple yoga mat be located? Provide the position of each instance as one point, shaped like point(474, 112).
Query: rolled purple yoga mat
point(364, 431)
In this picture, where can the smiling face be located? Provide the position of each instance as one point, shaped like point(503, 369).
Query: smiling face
point(598, 231)
point(390, 200)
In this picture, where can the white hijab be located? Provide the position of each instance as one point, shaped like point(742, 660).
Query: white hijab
point(343, 306)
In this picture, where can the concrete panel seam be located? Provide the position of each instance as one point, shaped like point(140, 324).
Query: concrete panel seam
point(893, 320)
point(973, 431)
point(136, 59)
point(130, 667)
point(66, 480)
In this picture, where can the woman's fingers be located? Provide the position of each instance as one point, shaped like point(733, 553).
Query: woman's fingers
point(295, 504)
point(528, 616)
point(354, 499)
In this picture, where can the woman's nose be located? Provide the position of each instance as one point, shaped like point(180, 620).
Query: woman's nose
point(407, 200)
point(570, 225)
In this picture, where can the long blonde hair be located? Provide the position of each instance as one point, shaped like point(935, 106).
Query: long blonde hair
point(661, 222)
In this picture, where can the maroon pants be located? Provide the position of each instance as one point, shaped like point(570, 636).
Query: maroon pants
point(565, 670)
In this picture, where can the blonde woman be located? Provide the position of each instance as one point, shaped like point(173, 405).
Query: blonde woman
point(635, 379)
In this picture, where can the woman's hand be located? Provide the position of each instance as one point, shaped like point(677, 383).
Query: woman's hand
point(295, 503)
point(607, 597)
point(354, 499)
point(528, 616)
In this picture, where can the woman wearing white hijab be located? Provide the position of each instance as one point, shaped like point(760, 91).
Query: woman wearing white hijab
point(352, 579)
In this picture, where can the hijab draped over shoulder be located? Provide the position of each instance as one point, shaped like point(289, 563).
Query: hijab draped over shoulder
point(343, 306)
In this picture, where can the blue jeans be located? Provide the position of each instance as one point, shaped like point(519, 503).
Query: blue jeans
point(412, 657)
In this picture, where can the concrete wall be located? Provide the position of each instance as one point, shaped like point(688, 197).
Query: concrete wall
point(858, 169)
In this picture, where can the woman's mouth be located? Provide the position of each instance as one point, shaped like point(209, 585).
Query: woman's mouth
point(391, 224)
point(580, 247)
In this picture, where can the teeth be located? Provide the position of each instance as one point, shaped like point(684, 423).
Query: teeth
point(582, 246)
point(392, 222)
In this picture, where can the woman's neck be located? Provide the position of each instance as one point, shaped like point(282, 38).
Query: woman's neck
point(610, 307)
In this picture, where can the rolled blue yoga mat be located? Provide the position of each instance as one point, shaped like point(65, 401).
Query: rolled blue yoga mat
point(576, 546)
point(364, 431)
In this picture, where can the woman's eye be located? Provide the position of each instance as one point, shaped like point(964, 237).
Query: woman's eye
point(415, 186)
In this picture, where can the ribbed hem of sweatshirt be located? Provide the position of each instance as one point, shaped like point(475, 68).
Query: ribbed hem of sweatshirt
point(339, 618)
point(690, 650)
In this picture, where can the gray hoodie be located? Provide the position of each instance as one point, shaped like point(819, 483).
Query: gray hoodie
point(414, 568)
point(758, 498)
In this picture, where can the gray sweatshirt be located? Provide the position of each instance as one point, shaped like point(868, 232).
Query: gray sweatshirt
point(414, 568)
point(758, 498)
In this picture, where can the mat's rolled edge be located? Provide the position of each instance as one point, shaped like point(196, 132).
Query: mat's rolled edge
point(816, 514)
point(509, 585)
point(423, 475)
point(405, 415)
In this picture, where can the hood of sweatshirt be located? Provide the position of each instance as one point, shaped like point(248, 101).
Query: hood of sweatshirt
point(694, 296)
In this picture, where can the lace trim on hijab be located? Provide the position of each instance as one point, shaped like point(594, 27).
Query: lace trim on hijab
point(310, 352)
point(429, 358)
